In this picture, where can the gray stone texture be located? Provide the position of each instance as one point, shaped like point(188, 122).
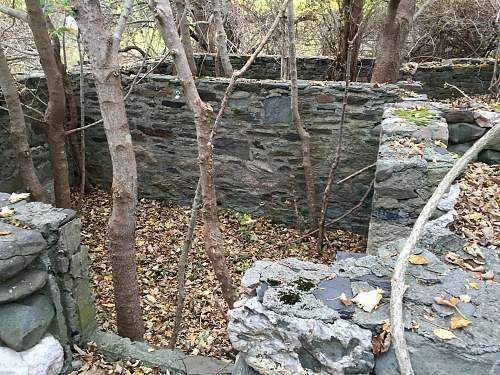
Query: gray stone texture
point(18, 249)
point(25, 322)
point(22, 285)
point(405, 178)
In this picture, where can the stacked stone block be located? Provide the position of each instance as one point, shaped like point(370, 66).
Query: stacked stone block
point(45, 299)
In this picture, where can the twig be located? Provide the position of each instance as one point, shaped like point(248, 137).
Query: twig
point(398, 287)
point(446, 84)
point(345, 179)
point(82, 121)
point(25, 115)
point(122, 22)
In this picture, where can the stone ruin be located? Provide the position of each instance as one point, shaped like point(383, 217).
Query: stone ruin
point(290, 320)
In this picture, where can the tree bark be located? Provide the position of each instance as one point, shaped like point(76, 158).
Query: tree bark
point(352, 17)
point(398, 286)
point(182, 7)
point(392, 40)
point(297, 123)
point(74, 148)
point(203, 114)
point(222, 38)
point(54, 115)
point(102, 49)
point(18, 133)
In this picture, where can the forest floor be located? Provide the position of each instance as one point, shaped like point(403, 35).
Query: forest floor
point(161, 228)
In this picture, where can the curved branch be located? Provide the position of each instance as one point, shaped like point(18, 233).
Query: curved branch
point(16, 13)
point(398, 287)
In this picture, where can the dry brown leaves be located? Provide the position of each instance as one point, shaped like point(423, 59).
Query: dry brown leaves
point(159, 238)
point(479, 204)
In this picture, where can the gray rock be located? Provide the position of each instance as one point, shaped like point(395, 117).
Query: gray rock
point(114, 347)
point(282, 344)
point(25, 322)
point(459, 148)
point(450, 198)
point(459, 115)
point(45, 358)
point(22, 285)
point(494, 144)
point(489, 157)
point(18, 249)
point(464, 132)
point(277, 109)
point(199, 365)
point(486, 119)
point(241, 367)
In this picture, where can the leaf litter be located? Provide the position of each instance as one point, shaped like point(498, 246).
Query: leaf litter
point(160, 232)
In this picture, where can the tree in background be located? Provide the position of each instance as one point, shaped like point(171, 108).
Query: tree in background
point(55, 112)
point(18, 133)
point(395, 31)
point(102, 47)
point(203, 115)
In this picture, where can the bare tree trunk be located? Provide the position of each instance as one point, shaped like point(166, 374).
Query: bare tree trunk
point(54, 115)
point(103, 48)
point(222, 38)
point(398, 286)
point(18, 133)
point(352, 17)
point(70, 101)
point(203, 114)
point(182, 265)
point(83, 178)
point(297, 123)
point(182, 8)
point(392, 40)
point(338, 151)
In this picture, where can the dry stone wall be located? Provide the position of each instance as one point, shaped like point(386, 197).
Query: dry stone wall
point(258, 155)
point(45, 298)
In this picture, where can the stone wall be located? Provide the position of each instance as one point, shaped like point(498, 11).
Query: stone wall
point(45, 298)
point(473, 76)
point(257, 151)
point(413, 158)
point(412, 161)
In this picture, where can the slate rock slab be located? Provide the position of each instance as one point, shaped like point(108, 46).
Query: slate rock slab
point(45, 358)
point(25, 322)
point(22, 285)
point(18, 249)
point(329, 291)
point(489, 157)
point(464, 132)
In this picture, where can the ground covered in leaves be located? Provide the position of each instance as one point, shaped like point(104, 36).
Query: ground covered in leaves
point(160, 233)
point(478, 208)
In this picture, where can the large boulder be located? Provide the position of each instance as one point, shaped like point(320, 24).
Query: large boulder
point(18, 248)
point(285, 329)
point(464, 132)
point(25, 322)
point(45, 358)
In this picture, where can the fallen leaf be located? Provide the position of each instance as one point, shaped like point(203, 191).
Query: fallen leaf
point(444, 334)
point(474, 285)
point(14, 197)
point(368, 301)
point(471, 248)
point(6, 212)
point(464, 298)
point(418, 260)
point(4, 233)
point(458, 322)
point(346, 301)
point(488, 275)
point(452, 302)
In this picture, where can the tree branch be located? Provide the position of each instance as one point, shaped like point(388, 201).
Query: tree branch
point(16, 13)
point(122, 22)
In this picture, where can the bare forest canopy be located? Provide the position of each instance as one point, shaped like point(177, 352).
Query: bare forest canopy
point(441, 29)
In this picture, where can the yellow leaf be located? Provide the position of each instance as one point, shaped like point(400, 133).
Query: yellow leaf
point(108, 277)
point(444, 334)
point(474, 285)
point(14, 197)
point(474, 216)
point(452, 302)
point(418, 260)
point(6, 212)
point(140, 243)
point(4, 233)
point(368, 301)
point(150, 298)
point(459, 322)
point(108, 304)
point(464, 298)
point(346, 301)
